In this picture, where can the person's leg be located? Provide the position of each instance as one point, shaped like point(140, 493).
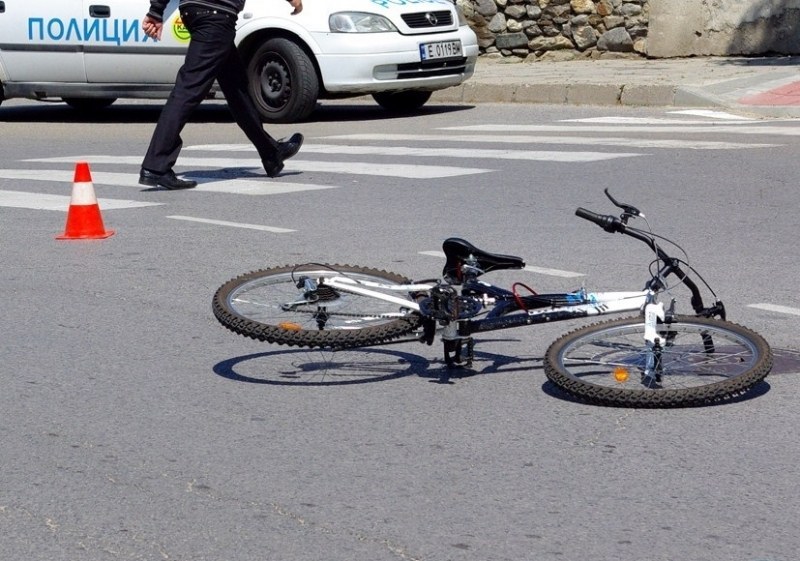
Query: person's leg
point(232, 80)
point(207, 51)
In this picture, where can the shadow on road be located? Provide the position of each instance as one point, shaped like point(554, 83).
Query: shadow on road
point(321, 367)
point(129, 112)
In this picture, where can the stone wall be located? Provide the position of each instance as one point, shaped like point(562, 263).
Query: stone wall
point(723, 27)
point(564, 29)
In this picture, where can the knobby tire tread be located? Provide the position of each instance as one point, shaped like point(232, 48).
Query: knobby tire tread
point(663, 398)
point(332, 339)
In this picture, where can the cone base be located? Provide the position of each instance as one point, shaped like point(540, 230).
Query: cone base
point(84, 223)
point(104, 235)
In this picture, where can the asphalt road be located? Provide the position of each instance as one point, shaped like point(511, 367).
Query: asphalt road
point(133, 426)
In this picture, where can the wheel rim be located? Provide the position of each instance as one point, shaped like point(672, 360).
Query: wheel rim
point(616, 357)
point(276, 301)
point(275, 84)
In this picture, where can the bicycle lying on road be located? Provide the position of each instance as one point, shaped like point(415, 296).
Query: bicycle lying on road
point(658, 358)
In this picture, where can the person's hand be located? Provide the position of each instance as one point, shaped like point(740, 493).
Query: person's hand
point(152, 27)
point(297, 5)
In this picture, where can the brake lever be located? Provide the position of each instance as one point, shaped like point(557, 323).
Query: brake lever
point(629, 210)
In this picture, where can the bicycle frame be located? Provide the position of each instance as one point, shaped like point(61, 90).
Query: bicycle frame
point(502, 303)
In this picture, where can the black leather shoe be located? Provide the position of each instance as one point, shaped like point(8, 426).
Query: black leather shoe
point(287, 147)
point(166, 180)
point(272, 168)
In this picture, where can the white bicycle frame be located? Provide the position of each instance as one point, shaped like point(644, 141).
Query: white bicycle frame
point(597, 303)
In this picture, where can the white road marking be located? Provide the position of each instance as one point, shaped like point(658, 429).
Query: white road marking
point(652, 121)
point(776, 308)
point(206, 183)
point(251, 187)
point(410, 171)
point(728, 128)
point(43, 201)
point(531, 155)
point(234, 224)
point(713, 114)
point(536, 139)
point(529, 268)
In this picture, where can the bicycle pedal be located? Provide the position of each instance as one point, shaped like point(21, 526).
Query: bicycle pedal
point(428, 331)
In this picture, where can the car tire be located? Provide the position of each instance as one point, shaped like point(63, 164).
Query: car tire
point(87, 104)
point(402, 102)
point(282, 81)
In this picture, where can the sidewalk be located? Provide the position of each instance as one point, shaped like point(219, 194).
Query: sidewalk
point(764, 86)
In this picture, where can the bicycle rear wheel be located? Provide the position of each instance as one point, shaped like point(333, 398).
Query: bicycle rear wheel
point(268, 305)
point(701, 361)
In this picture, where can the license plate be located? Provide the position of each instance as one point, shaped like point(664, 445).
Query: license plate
point(441, 49)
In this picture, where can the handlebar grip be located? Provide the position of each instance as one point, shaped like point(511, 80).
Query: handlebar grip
point(606, 222)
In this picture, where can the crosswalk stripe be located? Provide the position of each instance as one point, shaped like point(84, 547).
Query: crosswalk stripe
point(209, 183)
point(44, 201)
point(530, 139)
point(727, 128)
point(410, 171)
point(531, 155)
point(530, 268)
point(272, 229)
point(653, 121)
point(714, 114)
point(776, 308)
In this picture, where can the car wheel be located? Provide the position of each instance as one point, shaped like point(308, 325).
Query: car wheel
point(89, 103)
point(283, 81)
point(402, 102)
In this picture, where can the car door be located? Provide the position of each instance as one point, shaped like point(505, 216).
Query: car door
point(40, 40)
point(118, 51)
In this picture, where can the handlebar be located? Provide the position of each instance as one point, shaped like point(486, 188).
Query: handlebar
point(614, 225)
point(607, 222)
point(670, 266)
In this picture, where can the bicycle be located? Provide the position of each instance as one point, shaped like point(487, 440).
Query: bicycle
point(657, 358)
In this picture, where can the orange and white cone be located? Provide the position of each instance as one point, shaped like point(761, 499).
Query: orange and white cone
point(83, 219)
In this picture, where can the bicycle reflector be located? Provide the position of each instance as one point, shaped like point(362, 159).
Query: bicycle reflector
point(290, 326)
point(621, 374)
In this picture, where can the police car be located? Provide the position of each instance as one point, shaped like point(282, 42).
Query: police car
point(91, 52)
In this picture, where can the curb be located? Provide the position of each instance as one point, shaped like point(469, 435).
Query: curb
point(560, 94)
point(662, 95)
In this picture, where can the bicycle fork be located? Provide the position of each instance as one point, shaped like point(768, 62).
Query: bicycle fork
point(653, 312)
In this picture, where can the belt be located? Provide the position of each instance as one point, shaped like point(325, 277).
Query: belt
point(207, 11)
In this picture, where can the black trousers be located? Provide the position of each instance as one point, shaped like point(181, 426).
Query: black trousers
point(212, 55)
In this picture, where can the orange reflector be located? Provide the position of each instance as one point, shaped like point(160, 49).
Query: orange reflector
point(621, 374)
point(290, 326)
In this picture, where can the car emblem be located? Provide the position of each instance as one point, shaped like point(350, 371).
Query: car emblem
point(432, 19)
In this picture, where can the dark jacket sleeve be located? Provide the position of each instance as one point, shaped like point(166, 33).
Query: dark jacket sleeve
point(157, 9)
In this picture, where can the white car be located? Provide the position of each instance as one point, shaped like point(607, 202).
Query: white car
point(91, 52)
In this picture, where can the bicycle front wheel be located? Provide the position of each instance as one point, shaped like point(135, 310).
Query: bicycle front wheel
point(268, 305)
point(698, 361)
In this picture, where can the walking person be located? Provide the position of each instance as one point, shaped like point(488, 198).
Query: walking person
point(211, 55)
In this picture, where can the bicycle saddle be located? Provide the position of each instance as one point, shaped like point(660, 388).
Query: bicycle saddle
point(457, 251)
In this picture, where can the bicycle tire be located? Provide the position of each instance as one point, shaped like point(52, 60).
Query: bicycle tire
point(251, 305)
point(703, 361)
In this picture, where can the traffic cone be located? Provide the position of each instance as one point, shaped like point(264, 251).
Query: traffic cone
point(83, 219)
